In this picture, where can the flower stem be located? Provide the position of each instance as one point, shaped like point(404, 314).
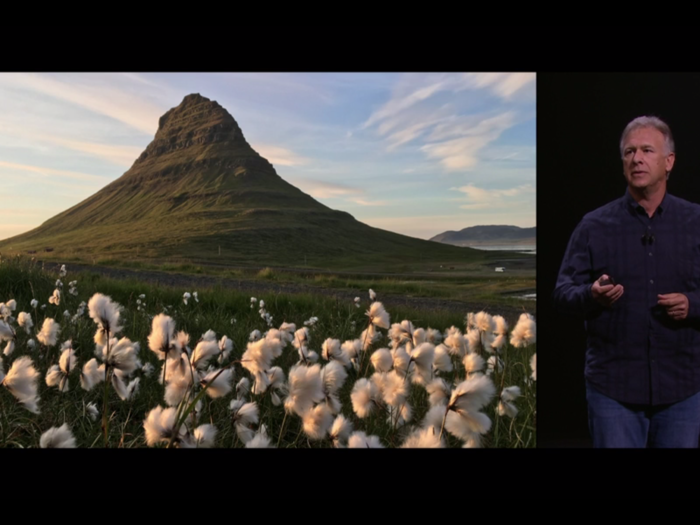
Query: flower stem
point(281, 429)
point(105, 419)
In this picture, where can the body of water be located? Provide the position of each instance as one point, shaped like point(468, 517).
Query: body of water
point(521, 248)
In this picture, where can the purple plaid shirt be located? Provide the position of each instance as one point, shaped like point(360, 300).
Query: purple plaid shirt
point(635, 352)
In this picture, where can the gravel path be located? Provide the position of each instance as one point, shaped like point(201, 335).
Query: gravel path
point(257, 288)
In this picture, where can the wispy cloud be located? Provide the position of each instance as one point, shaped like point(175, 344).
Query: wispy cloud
point(327, 190)
point(450, 133)
point(480, 198)
point(363, 202)
point(119, 155)
point(504, 85)
point(94, 94)
point(280, 156)
point(409, 92)
point(50, 171)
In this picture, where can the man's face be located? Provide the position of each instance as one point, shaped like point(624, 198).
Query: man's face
point(645, 159)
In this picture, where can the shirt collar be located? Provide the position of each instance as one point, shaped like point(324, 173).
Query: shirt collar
point(634, 207)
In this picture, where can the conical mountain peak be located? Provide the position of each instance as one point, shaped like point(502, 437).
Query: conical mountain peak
point(196, 121)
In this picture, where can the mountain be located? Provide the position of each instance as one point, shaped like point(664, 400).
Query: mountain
point(485, 235)
point(200, 193)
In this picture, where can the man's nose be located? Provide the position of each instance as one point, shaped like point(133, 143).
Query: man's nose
point(637, 157)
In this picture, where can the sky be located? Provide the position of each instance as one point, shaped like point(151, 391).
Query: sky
point(413, 153)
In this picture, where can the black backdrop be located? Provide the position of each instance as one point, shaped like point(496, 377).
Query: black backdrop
point(580, 118)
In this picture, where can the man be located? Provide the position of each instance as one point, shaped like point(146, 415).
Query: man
point(632, 269)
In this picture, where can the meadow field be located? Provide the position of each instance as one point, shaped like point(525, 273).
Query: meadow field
point(263, 366)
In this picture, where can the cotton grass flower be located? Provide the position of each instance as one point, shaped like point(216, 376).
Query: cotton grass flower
point(242, 388)
point(218, 381)
point(25, 321)
point(21, 380)
point(424, 438)
point(372, 295)
point(359, 439)
point(525, 331)
point(124, 391)
point(305, 389)
point(494, 363)
point(6, 332)
point(34, 303)
point(91, 411)
point(260, 440)
point(243, 413)
point(225, 348)
point(331, 349)
point(49, 332)
point(160, 426)
point(333, 376)
point(364, 397)
point(433, 336)
point(439, 392)
point(57, 375)
point(401, 333)
point(423, 357)
point(258, 357)
point(381, 360)
point(462, 417)
point(162, 340)
point(378, 316)
point(501, 332)
point(203, 352)
point(317, 421)
point(205, 435)
point(105, 313)
point(91, 374)
point(56, 297)
point(340, 430)
point(147, 369)
point(185, 297)
point(455, 342)
point(123, 355)
point(533, 366)
point(505, 405)
point(57, 437)
point(473, 340)
point(442, 361)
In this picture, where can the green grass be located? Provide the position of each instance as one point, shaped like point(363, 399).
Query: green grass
point(228, 313)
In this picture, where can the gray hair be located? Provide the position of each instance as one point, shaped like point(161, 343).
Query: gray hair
point(649, 122)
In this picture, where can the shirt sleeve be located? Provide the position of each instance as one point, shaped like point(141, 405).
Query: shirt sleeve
point(572, 293)
point(693, 304)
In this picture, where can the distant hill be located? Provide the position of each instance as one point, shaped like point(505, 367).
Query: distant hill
point(488, 235)
point(200, 193)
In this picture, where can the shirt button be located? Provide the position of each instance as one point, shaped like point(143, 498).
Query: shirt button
point(651, 281)
point(648, 227)
point(650, 254)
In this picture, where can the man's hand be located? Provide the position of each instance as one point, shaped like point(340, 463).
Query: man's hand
point(676, 305)
point(607, 294)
